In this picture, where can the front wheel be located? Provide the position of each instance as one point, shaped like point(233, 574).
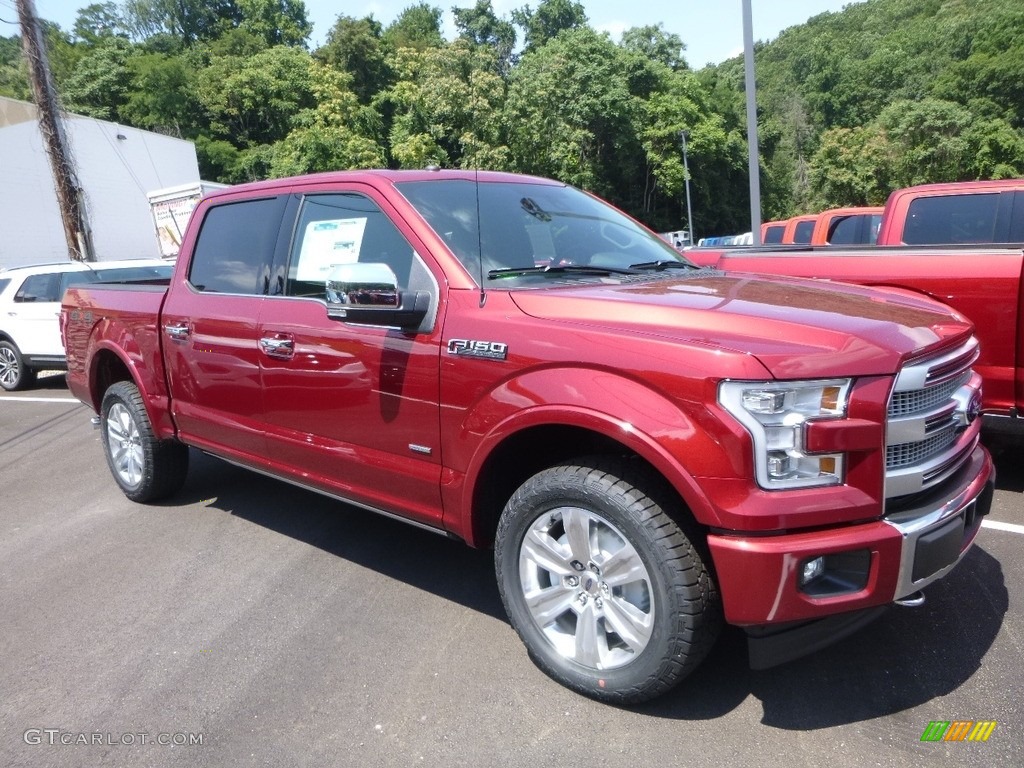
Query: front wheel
point(13, 373)
point(608, 594)
point(146, 469)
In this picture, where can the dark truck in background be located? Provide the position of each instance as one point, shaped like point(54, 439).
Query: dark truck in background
point(652, 449)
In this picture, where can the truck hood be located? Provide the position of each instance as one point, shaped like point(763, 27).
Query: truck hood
point(796, 328)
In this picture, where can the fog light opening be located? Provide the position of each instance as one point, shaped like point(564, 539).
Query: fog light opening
point(811, 570)
point(835, 574)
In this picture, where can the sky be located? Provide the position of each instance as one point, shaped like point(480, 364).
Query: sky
point(711, 29)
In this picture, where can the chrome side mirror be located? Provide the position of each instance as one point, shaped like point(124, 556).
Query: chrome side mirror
point(366, 285)
point(367, 294)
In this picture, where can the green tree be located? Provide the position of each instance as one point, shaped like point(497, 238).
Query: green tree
point(188, 21)
point(100, 20)
point(356, 46)
point(852, 166)
point(447, 106)
point(100, 84)
point(251, 100)
point(335, 134)
point(482, 26)
point(550, 18)
point(162, 95)
point(570, 113)
point(13, 72)
point(277, 22)
point(654, 43)
point(418, 26)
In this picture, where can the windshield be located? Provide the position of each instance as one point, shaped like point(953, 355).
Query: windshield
point(532, 233)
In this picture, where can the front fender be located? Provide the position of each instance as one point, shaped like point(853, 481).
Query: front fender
point(673, 438)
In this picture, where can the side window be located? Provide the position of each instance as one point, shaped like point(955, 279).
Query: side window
point(1017, 222)
point(235, 247)
point(340, 229)
point(874, 224)
point(39, 288)
point(951, 219)
point(773, 235)
point(76, 278)
point(845, 230)
point(803, 231)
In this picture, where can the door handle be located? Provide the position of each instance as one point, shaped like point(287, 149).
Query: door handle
point(178, 331)
point(277, 346)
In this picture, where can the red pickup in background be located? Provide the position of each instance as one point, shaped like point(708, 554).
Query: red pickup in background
point(961, 244)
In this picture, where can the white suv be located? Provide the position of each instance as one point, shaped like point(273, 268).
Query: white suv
point(30, 307)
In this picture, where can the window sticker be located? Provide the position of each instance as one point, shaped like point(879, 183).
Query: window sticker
point(327, 244)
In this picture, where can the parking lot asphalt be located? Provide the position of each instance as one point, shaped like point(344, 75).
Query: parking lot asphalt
point(280, 628)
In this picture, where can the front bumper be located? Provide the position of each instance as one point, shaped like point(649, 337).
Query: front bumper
point(758, 576)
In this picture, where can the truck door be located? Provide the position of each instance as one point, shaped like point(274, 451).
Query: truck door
point(352, 409)
point(33, 317)
point(210, 328)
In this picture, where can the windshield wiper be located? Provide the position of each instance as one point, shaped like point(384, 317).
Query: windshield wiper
point(583, 269)
point(531, 207)
point(663, 264)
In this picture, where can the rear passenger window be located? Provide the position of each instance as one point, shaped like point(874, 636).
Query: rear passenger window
point(341, 229)
point(845, 230)
point(803, 231)
point(236, 247)
point(951, 219)
point(39, 288)
point(773, 235)
point(1017, 223)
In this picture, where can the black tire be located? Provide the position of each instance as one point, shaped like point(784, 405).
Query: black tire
point(146, 469)
point(654, 609)
point(14, 374)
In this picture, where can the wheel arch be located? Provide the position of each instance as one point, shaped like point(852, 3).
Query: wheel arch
point(109, 364)
point(549, 439)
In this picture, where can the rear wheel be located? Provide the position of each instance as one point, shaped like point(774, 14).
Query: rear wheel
point(13, 373)
point(147, 469)
point(609, 595)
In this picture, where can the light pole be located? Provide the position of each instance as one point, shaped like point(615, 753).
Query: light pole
point(752, 156)
point(684, 135)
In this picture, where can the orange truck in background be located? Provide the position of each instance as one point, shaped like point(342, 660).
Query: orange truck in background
point(847, 226)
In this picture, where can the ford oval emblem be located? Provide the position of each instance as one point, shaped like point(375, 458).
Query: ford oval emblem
point(974, 407)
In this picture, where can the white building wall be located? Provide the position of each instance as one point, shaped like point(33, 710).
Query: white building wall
point(115, 174)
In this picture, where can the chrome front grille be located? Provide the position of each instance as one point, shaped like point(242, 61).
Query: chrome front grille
point(932, 420)
point(917, 400)
point(905, 454)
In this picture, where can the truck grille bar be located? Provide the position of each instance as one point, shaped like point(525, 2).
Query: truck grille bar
point(933, 422)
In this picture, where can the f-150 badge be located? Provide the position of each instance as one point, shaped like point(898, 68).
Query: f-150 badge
point(488, 350)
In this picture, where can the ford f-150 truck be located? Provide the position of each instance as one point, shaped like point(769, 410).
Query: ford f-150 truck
point(650, 448)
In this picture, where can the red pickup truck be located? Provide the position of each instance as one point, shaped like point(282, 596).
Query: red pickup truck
point(963, 212)
point(650, 448)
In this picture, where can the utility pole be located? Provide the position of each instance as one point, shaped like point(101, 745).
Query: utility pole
point(684, 135)
point(752, 155)
point(65, 181)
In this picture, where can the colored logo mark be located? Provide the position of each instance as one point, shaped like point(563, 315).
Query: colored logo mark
point(958, 730)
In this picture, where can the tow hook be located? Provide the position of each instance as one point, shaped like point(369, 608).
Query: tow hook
point(915, 600)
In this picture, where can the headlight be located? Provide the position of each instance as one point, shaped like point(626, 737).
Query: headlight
point(775, 414)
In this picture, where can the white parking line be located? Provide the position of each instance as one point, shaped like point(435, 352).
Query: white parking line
point(995, 525)
point(40, 399)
